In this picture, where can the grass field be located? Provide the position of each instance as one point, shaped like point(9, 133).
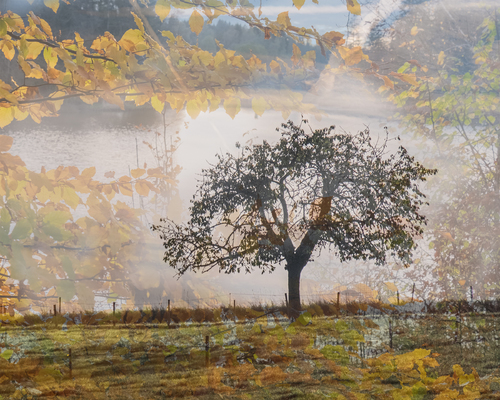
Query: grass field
point(250, 355)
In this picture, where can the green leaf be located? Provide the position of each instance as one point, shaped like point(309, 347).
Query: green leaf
point(7, 354)
point(305, 318)
point(5, 219)
point(57, 233)
point(352, 338)
point(341, 326)
point(57, 218)
point(22, 230)
point(335, 353)
point(405, 66)
point(3, 27)
point(418, 391)
point(66, 289)
point(68, 267)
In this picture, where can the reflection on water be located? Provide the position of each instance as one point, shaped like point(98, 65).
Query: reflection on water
point(83, 138)
point(111, 140)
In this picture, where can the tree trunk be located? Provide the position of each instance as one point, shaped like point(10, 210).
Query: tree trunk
point(294, 290)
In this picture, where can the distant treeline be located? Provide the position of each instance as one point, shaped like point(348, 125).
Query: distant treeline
point(91, 18)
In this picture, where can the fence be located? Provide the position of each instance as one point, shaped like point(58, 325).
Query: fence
point(53, 304)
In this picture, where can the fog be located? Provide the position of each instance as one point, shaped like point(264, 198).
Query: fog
point(110, 139)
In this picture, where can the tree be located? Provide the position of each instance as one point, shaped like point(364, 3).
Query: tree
point(282, 202)
point(45, 69)
point(458, 113)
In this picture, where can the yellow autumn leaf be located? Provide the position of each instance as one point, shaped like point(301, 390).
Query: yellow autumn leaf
point(296, 54)
point(352, 56)
point(193, 108)
point(214, 103)
point(441, 58)
point(20, 114)
point(284, 19)
point(142, 188)
point(409, 78)
point(259, 105)
point(333, 38)
point(50, 57)
point(46, 27)
point(391, 286)
point(388, 82)
point(353, 7)
point(34, 50)
point(196, 22)
point(232, 106)
point(24, 65)
point(133, 41)
point(89, 99)
point(162, 9)
point(275, 67)
point(5, 142)
point(88, 173)
point(126, 189)
point(6, 116)
point(8, 49)
point(418, 354)
point(446, 235)
point(138, 22)
point(7, 95)
point(136, 173)
point(298, 3)
point(52, 4)
point(414, 31)
point(112, 98)
point(203, 57)
point(157, 104)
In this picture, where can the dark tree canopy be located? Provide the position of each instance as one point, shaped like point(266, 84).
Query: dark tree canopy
point(282, 202)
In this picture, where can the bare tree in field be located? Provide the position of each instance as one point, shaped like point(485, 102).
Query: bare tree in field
point(281, 203)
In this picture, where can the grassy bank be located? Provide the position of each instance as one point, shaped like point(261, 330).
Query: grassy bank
point(243, 353)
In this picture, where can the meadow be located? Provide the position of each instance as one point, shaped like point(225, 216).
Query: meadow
point(360, 351)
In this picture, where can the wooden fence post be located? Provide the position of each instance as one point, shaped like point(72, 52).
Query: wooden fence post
point(471, 295)
point(338, 304)
point(114, 308)
point(55, 310)
point(287, 307)
point(397, 294)
point(207, 348)
point(390, 333)
point(70, 364)
point(59, 305)
point(168, 317)
point(234, 306)
point(412, 292)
